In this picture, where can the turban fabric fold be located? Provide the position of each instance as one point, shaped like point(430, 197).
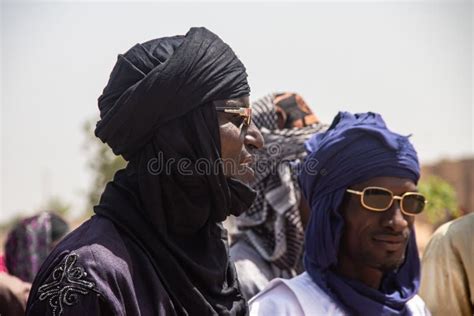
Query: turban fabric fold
point(355, 149)
point(163, 79)
point(157, 108)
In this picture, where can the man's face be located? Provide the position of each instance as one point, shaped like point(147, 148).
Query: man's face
point(237, 141)
point(376, 239)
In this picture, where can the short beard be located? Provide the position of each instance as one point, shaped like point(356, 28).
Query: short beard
point(392, 265)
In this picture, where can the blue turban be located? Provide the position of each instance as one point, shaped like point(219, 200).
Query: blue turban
point(355, 149)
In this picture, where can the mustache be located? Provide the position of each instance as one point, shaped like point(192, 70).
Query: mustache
point(405, 234)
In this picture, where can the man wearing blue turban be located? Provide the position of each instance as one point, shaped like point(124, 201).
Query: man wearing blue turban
point(361, 258)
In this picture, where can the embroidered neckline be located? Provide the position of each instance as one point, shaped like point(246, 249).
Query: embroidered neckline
point(68, 282)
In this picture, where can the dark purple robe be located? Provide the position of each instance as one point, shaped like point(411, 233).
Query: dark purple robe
point(96, 270)
point(157, 246)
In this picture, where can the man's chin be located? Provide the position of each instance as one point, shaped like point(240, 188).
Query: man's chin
point(245, 175)
point(391, 264)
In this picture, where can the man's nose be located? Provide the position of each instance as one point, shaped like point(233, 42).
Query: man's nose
point(395, 218)
point(253, 138)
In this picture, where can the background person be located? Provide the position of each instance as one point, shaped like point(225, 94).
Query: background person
point(27, 245)
point(13, 295)
point(447, 274)
point(30, 242)
point(269, 242)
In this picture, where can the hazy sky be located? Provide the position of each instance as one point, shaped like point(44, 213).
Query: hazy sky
point(410, 61)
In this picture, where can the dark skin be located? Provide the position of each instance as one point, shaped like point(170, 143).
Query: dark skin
point(237, 145)
point(237, 151)
point(305, 211)
point(374, 243)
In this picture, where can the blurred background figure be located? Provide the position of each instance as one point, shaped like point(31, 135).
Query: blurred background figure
point(447, 278)
point(291, 110)
point(269, 238)
point(13, 295)
point(27, 245)
point(30, 241)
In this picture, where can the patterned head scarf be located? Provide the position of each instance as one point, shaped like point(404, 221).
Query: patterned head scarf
point(355, 149)
point(292, 111)
point(29, 243)
point(272, 225)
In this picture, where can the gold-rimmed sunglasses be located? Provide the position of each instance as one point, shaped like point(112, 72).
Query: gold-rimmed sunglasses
point(380, 199)
point(245, 113)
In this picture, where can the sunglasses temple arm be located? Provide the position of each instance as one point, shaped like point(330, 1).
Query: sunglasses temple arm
point(355, 192)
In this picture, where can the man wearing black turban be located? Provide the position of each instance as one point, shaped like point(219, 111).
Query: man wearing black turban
point(176, 109)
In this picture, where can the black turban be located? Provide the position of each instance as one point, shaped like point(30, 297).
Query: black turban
point(157, 106)
point(163, 79)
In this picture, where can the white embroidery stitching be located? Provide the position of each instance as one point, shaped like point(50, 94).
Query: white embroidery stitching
point(67, 284)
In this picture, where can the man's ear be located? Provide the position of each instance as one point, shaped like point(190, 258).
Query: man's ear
point(344, 204)
point(305, 211)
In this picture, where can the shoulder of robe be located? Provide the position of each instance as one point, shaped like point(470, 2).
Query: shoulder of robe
point(455, 236)
point(277, 299)
point(417, 306)
point(85, 269)
point(66, 287)
point(296, 296)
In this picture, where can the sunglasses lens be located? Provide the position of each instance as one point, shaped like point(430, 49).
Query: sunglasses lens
point(377, 199)
point(413, 203)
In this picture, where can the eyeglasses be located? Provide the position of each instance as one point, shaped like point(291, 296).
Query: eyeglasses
point(379, 199)
point(246, 113)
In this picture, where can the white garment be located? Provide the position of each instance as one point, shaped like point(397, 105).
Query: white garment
point(301, 296)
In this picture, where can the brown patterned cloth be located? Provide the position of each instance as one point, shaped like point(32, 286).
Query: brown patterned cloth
point(292, 111)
